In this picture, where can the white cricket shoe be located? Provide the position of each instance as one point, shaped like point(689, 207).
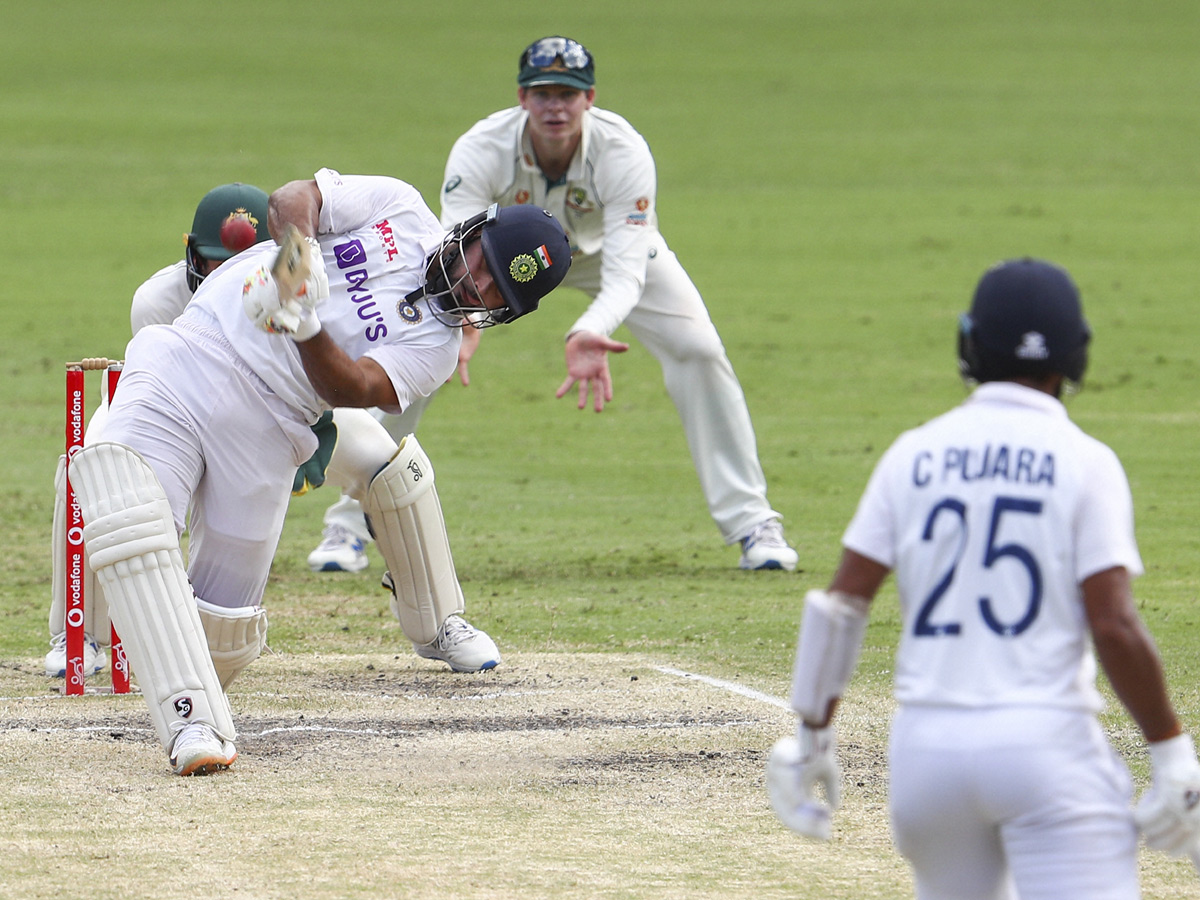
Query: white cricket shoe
point(94, 659)
point(462, 646)
point(765, 548)
point(199, 750)
point(339, 551)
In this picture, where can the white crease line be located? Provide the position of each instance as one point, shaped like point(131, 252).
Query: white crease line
point(730, 686)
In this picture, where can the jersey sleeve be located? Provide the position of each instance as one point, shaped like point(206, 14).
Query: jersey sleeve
point(475, 177)
point(1104, 521)
point(418, 368)
point(872, 531)
point(350, 202)
point(160, 298)
point(628, 183)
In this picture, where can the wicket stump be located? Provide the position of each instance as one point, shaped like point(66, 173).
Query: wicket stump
point(75, 584)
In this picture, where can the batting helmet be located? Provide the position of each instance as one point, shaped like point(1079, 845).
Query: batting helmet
point(527, 254)
point(222, 203)
point(1025, 321)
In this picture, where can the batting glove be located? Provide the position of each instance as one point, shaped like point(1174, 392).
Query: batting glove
point(794, 769)
point(312, 473)
point(260, 299)
point(316, 286)
point(1169, 813)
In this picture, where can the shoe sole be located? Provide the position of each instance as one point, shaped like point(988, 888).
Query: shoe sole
point(462, 670)
point(337, 567)
point(771, 565)
point(206, 765)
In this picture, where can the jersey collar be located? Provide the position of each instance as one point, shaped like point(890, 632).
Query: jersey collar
point(1009, 393)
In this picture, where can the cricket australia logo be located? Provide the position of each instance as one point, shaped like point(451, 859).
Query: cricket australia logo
point(1033, 346)
point(183, 706)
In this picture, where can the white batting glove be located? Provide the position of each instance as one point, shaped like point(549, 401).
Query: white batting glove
point(1169, 813)
point(316, 286)
point(260, 301)
point(794, 768)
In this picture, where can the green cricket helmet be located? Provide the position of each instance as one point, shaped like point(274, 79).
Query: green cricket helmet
point(218, 206)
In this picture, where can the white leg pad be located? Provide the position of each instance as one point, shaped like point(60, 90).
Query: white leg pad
point(95, 607)
point(236, 637)
point(406, 520)
point(831, 635)
point(134, 551)
point(363, 448)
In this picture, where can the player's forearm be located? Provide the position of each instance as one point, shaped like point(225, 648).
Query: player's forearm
point(1127, 653)
point(342, 381)
point(1132, 665)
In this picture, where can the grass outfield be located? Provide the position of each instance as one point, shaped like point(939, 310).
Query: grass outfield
point(834, 177)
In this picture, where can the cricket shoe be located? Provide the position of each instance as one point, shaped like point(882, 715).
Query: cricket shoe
point(199, 750)
point(461, 646)
point(765, 548)
point(56, 659)
point(339, 551)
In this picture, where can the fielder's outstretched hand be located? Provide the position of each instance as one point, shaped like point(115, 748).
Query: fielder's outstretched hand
point(794, 768)
point(470, 343)
point(587, 365)
point(1169, 813)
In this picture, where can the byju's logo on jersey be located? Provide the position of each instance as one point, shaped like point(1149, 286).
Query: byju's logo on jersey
point(351, 253)
point(1033, 346)
point(351, 258)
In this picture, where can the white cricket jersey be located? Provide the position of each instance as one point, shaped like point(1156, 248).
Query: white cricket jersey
point(605, 202)
point(161, 297)
point(991, 515)
point(376, 234)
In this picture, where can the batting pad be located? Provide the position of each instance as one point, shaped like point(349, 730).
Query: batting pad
point(236, 637)
point(363, 448)
point(95, 607)
point(406, 520)
point(134, 552)
point(831, 635)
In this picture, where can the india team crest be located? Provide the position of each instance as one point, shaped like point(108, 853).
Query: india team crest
point(409, 313)
point(523, 268)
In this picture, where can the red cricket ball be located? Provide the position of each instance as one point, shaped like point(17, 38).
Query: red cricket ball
point(237, 233)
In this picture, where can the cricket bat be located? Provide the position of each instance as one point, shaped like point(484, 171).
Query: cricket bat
point(290, 269)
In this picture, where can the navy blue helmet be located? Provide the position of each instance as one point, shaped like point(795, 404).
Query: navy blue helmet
point(1025, 320)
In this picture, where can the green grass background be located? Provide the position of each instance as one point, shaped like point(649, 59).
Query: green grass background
point(834, 176)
